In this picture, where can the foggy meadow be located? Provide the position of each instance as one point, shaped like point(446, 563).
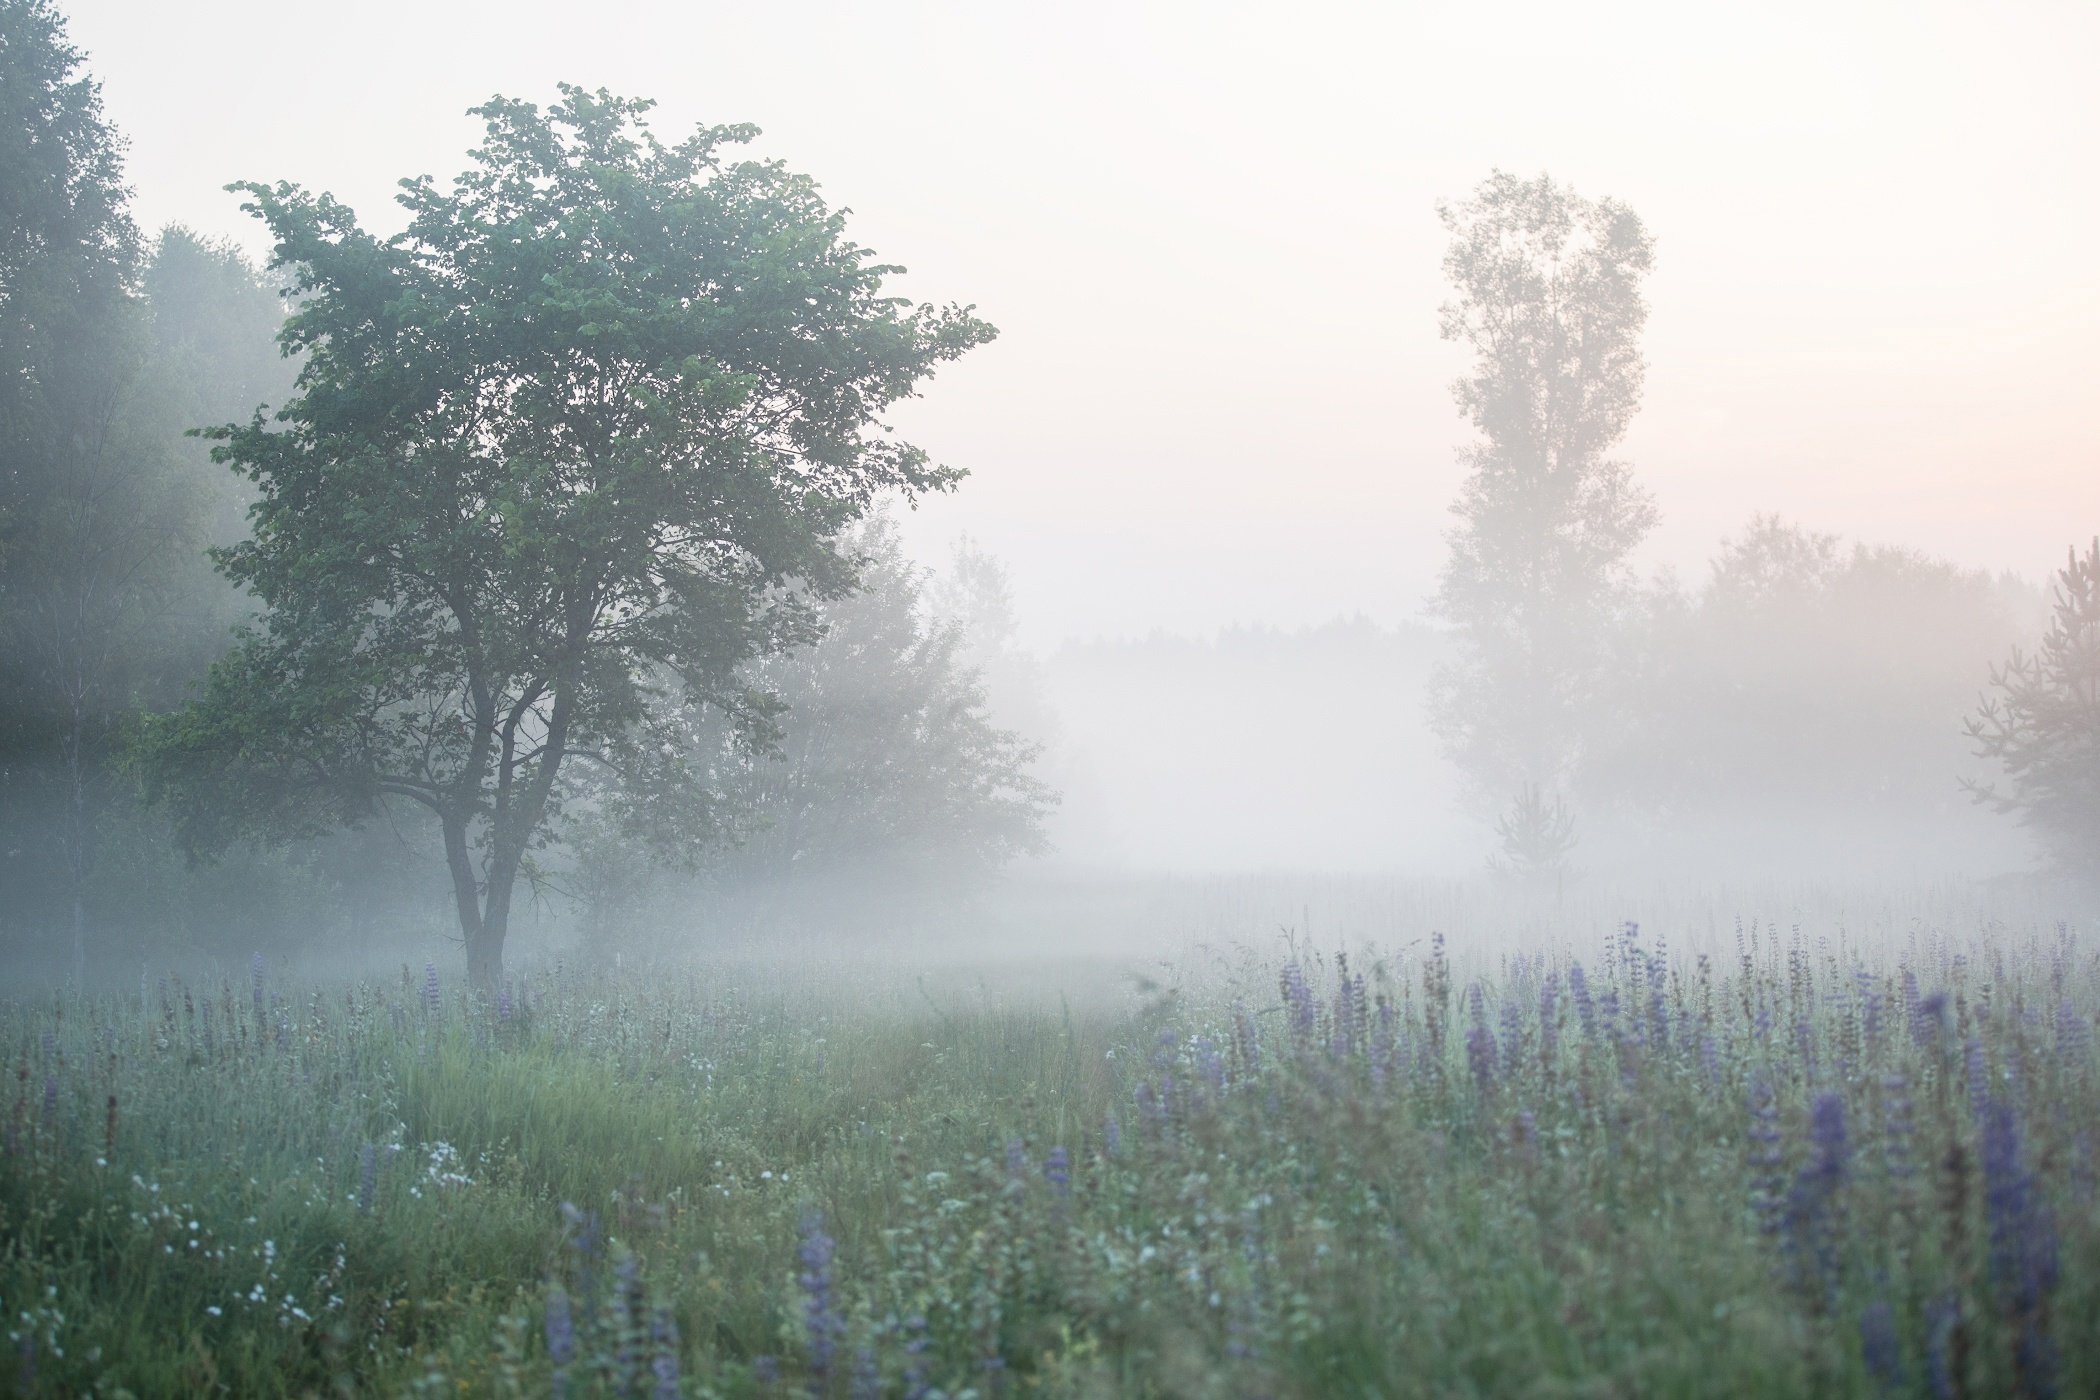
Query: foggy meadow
point(1334, 750)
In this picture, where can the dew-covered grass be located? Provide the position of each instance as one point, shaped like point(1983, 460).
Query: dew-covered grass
point(1798, 1168)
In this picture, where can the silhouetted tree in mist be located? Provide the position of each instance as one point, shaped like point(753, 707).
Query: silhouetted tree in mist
point(1549, 300)
point(2043, 725)
point(558, 452)
point(889, 775)
point(107, 602)
point(1804, 678)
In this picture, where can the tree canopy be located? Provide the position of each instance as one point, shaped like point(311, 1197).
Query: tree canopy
point(566, 454)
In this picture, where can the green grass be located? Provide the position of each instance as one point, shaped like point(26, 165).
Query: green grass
point(1364, 1187)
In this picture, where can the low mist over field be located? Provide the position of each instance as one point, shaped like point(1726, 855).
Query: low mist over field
point(913, 701)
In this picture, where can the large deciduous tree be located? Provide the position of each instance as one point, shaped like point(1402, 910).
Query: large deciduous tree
point(2043, 725)
point(566, 453)
point(1549, 300)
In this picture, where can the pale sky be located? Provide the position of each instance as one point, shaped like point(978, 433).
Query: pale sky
point(1208, 236)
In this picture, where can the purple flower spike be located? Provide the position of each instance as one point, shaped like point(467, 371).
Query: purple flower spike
point(1057, 1169)
point(1480, 1056)
point(663, 1332)
point(1811, 1217)
point(1764, 1156)
point(1878, 1346)
point(820, 1317)
point(2023, 1251)
point(561, 1336)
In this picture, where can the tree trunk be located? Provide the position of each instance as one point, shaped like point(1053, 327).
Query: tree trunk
point(484, 960)
point(485, 957)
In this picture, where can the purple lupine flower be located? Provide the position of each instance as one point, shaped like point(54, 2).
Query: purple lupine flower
point(1978, 1076)
point(1932, 1021)
point(1480, 1057)
point(1896, 1126)
point(49, 1043)
point(1343, 1043)
point(1381, 1042)
point(2073, 1036)
point(1016, 1159)
point(1911, 1005)
point(2023, 1252)
point(1942, 1316)
point(865, 1382)
point(1826, 1133)
point(663, 1334)
point(1057, 1169)
point(1878, 1347)
point(1512, 1018)
point(1210, 1064)
point(1870, 1006)
point(1811, 1218)
point(255, 975)
point(1709, 1058)
point(503, 1004)
point(561, 1336)
point(627, 1312)
point(915, 1386)
point(1298, 1001)
point(1805, 1047)
point(1527, 1136)
point(820, 1317)
point(1658, 1011)
point(50, 1099)
point(581, 1230)
point(1476, 1005)
point(765, 1368)
point(1585, 1011)
point(1111, 1135)
point(367, 1177)
point(1549, 1031)
point(1762, 1027)
point(1764, 1157)
point(431, 998)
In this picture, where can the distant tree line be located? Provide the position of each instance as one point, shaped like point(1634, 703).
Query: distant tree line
point(1802, 681)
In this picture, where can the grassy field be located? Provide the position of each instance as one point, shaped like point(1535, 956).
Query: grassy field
point(1801, 1168)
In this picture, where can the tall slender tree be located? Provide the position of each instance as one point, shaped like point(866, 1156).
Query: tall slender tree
point(559, 451)
point(1549, 300)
